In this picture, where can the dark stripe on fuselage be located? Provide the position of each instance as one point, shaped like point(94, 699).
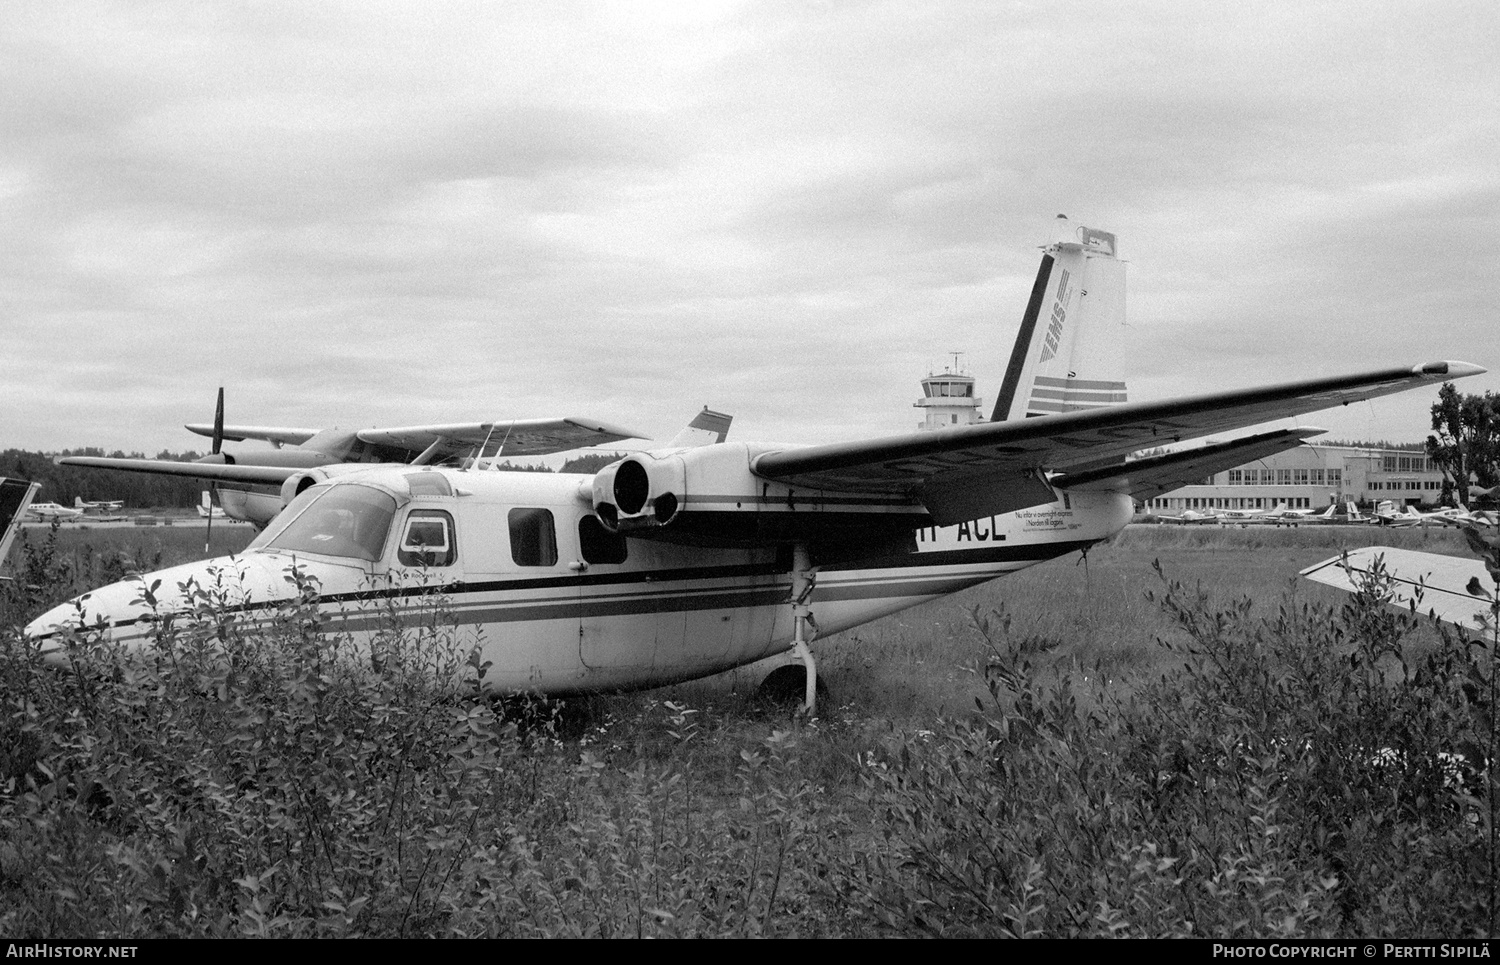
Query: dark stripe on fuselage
point(648, 597)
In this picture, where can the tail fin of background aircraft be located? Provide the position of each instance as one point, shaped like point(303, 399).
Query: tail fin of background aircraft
point(78, 503)
point(1067, 355)
point(708, 427)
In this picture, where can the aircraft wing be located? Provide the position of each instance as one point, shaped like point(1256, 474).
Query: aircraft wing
point(1434, 584)
point(513, 437)
point(971, 471)
point(264, 475)
point(1153, 475)
point(15, 496)
point(280, 436)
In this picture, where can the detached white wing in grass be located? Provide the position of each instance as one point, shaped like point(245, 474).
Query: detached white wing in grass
point(1435, 584)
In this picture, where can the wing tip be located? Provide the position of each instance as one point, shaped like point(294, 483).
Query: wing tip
point(1448, 369)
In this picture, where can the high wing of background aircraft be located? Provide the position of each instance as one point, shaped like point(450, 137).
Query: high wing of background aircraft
point(1452, 588)
point(297, 450)
point(671, 563)
point(15, 497)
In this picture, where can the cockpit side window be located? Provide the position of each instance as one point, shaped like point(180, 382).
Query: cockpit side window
point(533, 537)
point(427, 539)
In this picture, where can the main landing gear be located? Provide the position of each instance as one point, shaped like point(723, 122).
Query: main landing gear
point(804, 578)
point(794, 677)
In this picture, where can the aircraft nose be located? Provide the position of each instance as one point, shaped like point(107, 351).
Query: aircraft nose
point(115, 611)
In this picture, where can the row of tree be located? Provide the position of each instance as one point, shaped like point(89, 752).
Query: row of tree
point(62, 484)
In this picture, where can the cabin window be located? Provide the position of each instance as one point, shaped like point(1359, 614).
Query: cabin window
point(533, 538)
point(343, 520)
point(427, 539)
point(598, 544)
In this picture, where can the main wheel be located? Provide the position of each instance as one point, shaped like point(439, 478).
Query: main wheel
point(786, 686)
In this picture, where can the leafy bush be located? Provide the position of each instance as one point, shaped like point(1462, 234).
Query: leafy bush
point(1310, 775)
point(1318, 773)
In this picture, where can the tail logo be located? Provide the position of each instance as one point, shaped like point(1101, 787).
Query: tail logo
point(1059, 314)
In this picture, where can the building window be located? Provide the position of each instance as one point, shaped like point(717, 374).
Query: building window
point(1235, 475)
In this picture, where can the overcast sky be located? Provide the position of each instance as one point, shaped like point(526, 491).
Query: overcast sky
point(396, 213)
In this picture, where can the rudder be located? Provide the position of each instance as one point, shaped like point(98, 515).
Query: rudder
point(1066, 356)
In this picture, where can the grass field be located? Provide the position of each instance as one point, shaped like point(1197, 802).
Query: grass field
point(1073, 774)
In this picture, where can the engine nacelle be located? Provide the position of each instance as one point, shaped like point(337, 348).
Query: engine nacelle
point(709, 497)
point(293, 486)
point(645, 490)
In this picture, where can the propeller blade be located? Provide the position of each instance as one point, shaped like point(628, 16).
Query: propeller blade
point(219, 423)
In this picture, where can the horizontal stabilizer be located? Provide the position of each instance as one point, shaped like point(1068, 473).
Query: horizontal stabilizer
point(1151, 476)
point(1433, 584)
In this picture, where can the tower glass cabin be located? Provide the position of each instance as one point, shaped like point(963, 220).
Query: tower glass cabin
point(948, 400)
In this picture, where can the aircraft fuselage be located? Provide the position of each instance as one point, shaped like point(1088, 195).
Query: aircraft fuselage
point(558, 605)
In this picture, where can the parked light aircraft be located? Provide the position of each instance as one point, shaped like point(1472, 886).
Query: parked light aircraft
point(1189, 516)
point(246, 482)
point(1388, 515)
point(47, 512)
point(207, 509)
point(1337, 513)
point(671, 564)
point(98, 505)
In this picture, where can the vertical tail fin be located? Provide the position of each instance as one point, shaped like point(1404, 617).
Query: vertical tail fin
point(1067, 356)
point(707, 428)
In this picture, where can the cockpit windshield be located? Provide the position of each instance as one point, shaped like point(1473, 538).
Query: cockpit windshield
point(348, 520)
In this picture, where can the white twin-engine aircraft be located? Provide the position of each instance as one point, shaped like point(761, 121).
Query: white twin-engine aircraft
point(677, 563)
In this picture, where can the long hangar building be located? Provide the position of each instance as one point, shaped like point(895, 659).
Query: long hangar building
point(1308, 477)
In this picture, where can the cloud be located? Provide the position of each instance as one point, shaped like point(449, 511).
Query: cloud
point(392, 213)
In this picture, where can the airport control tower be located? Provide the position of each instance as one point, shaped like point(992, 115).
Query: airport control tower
point(948, 399)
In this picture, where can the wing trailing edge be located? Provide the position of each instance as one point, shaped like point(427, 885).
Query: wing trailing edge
point(1151, 476)
point(969, 469)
